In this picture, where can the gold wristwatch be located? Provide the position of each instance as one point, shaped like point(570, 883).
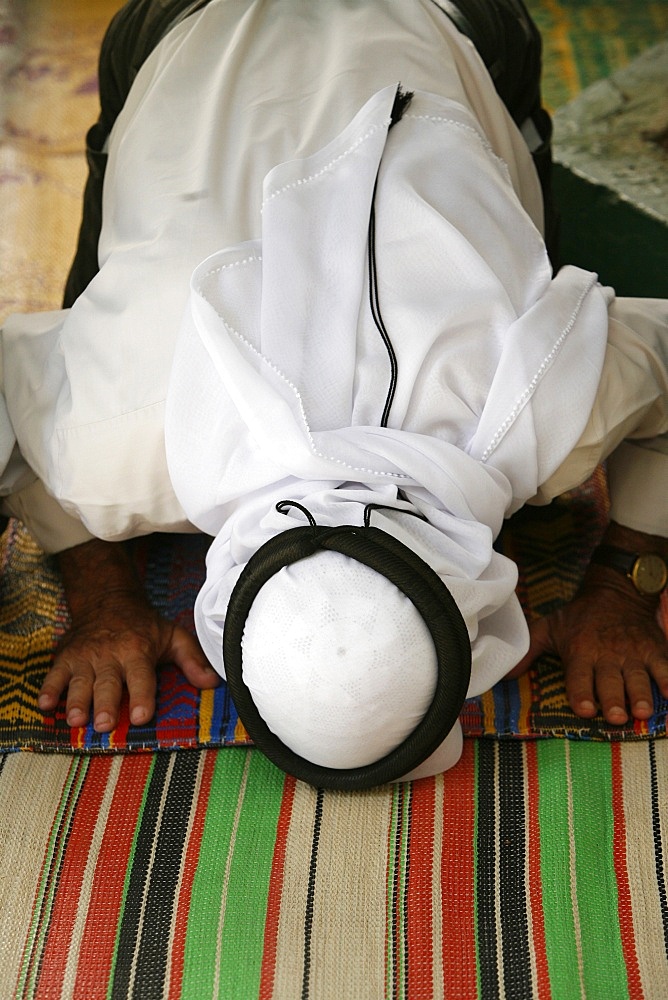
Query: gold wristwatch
point(647, 570)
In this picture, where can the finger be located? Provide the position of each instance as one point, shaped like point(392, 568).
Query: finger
point(79, 695)
point(580, 691)
point(107, 695)
point(540, 641)
point(54, 684)
point(639, 692)
point(185, 651)
point(611, 691)
point(141, 680)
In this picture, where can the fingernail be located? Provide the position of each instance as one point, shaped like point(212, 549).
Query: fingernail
point(587, 706)
point(103, 720)
point(200, 665)
point(44, 702)
point(643, 706)
point(137, 716)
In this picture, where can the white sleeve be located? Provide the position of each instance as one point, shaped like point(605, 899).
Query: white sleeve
point(628, 424)
point(51, 527)
point(638, 483)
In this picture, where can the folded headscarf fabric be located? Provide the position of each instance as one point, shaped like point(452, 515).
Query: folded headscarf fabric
point(434, 367)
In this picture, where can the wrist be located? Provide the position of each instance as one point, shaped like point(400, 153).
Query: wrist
point(621, 537)
point(98, 575)
point(598, 578)
point(631, 557)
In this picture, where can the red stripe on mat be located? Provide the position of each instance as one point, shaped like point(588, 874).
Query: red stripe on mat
point(99, 940)
point(624, 901)
point(275, 893)
point(70, 880)
point(419, 903)
point(119, 737)
point(543, 989)
point(458, 878)
point(177, 961)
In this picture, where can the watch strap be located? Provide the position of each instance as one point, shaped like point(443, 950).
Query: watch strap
point(648, 571)
point(619, 559)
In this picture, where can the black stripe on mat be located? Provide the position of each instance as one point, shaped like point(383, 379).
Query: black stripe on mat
point(397, 939)
point(143, 945)
point(501, 872)
point(407, 868)
point(659, 859)
point(310, 895)
point(513, 901)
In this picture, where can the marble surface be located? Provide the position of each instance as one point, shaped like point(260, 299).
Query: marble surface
point(615, 133)
point(48, 99)
point(48, 81)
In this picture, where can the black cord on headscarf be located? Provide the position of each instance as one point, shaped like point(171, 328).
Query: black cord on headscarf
point(401, 101)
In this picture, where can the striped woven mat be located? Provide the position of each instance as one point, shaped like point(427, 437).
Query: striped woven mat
point(532, 870)
point(551, 547)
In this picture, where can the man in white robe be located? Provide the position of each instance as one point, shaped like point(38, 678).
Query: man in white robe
point(455, 379)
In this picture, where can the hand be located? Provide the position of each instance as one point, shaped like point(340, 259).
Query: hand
point(119, 646)
point(610, 645)
point(117, 640)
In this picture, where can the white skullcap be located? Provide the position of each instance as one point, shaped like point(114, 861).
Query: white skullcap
point(339, 662)
point(346, 655)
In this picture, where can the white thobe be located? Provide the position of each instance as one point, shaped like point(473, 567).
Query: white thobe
point(511, 384)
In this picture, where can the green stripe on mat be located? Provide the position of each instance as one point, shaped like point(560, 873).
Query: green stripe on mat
point(223, 955)
point(578, 873)
point(595, 874)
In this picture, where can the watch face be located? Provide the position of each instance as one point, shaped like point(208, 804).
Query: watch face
point(649, 574)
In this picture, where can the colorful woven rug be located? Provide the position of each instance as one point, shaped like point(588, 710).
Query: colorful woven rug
point(533, 870)
point(550, 545)
point(587, 40)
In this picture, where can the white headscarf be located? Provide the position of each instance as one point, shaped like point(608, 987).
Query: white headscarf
point(281, 374)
